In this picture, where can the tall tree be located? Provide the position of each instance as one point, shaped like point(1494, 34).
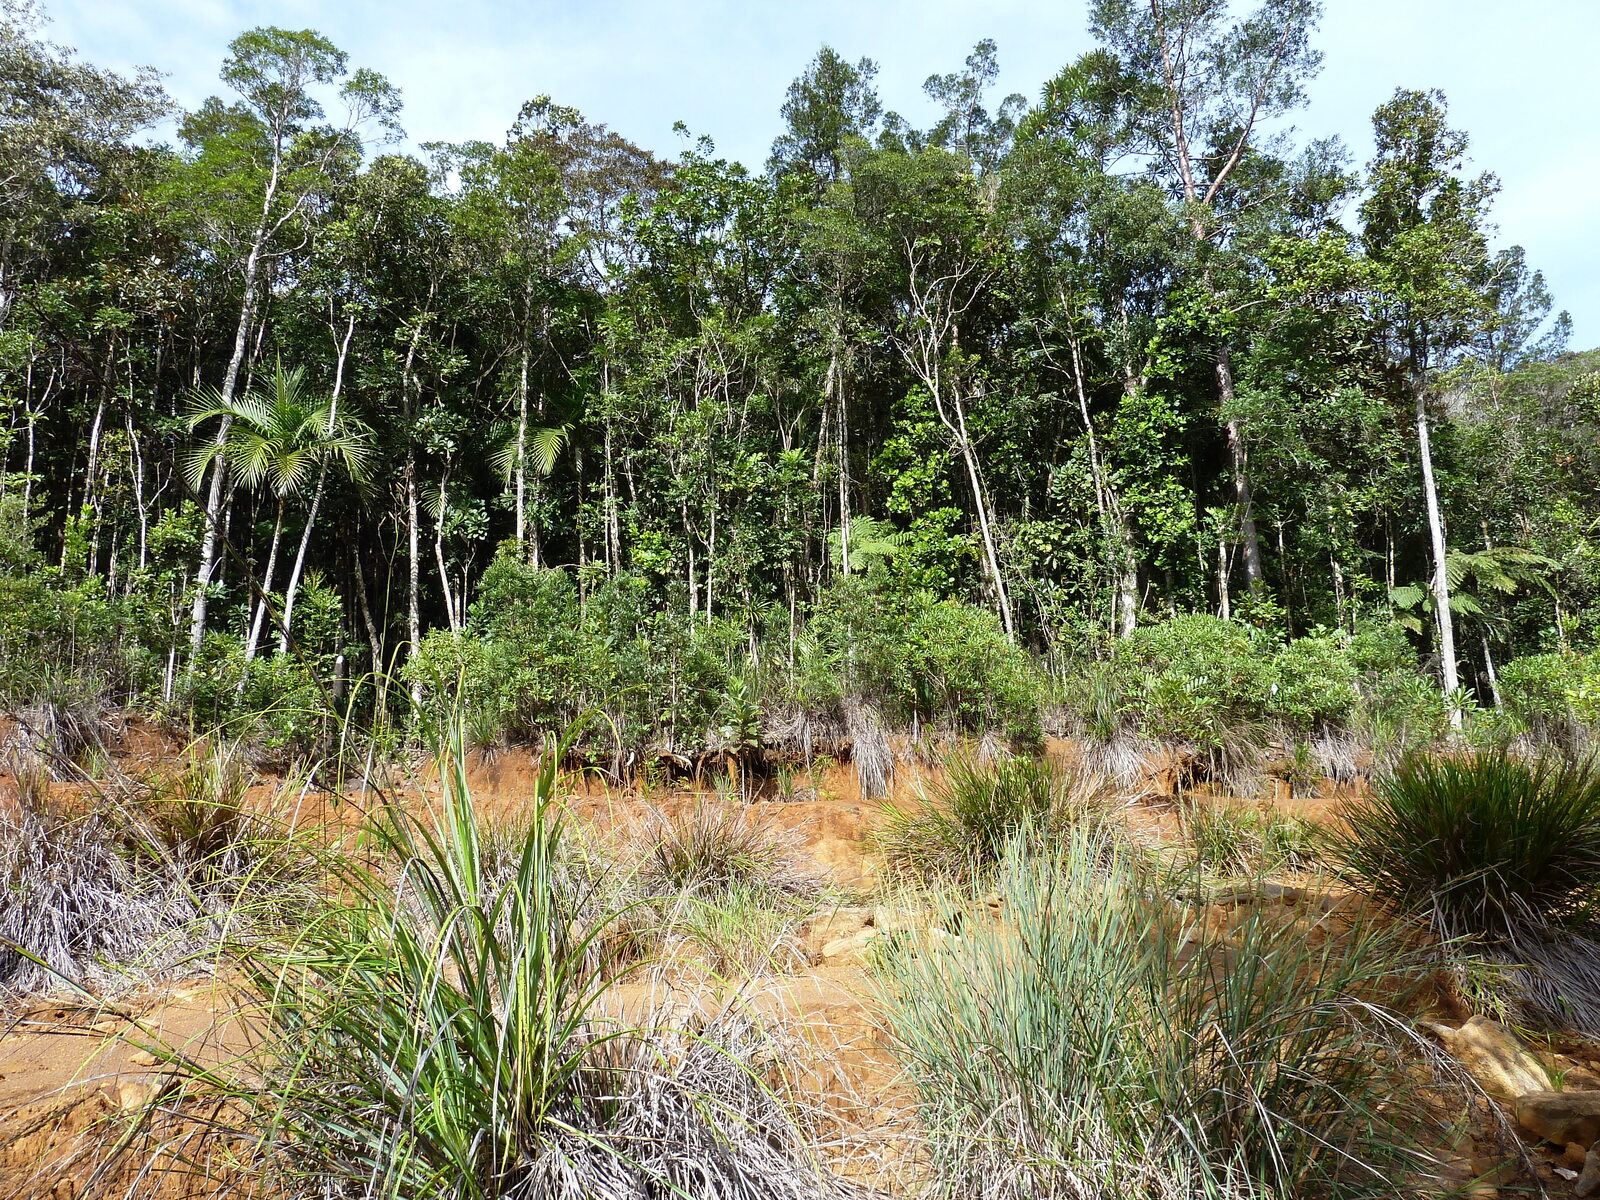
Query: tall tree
point(267, 153)
point(1424, 226)
point(1219, 82)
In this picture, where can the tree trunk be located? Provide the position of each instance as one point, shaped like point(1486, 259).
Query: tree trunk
point(1113, 522)
point(1253, 572)
point(985, 526)
point(230, 382)
point(521, 462)
point(438, 558)
point(413, 572)
point(260, 607)
point(316, 497)
point(1441, 576)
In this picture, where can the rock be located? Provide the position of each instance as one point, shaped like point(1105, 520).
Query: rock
point(137, 1091)
point(142, 1058)
point(890, 919)
point(1496, 1059)
point(1574, 1155)
point(1561, 1117)
point(1589, 1180)
point(850, 950)
point(832, 926)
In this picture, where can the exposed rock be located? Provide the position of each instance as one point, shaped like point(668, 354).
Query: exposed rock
point(832, 926)
point(1589, 1180)
point(1496, 1059)
point(851, 949)
point(1561, 1117)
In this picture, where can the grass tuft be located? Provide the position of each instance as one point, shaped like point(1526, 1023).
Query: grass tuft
point(717, 847)
point(1488, 843)
point(966, 819)
point(1089, 1046)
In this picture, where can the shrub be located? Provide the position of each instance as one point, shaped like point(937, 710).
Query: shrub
point(965, 820)
point(437, 1035)
point(1550, 697)
point(1195, 677)
point(1067, 1048)
point(1313, 683)
point(916, 658)
point(1485, 843)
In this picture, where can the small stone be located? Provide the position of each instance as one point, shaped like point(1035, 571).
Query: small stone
point(143, 1058)
point(1574, 1154)
point(1561, 1117)
point(852, 949)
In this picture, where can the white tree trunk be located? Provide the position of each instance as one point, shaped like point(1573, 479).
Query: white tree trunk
point(1441, 577)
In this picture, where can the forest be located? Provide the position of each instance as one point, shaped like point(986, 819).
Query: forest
point(1129, 410)
point(1046, 657)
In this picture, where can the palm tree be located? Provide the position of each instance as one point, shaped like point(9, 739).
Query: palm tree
point(277, 438)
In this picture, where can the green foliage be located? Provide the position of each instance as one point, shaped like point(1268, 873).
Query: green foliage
point(1552, 697)
point(941, 663)
point(1068, 1048)
point(1485, 844)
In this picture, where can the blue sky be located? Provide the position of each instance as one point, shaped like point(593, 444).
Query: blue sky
point(1519, 76)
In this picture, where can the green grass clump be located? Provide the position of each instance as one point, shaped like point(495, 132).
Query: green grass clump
point(1235, 839)
point(1488, 844)
point(966, 819)
point(447, 1031)
point(716, 847)
point(1088, 1046)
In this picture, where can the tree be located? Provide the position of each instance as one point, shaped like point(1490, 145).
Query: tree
point(267, 151)
point(278, 439)
point(1219, 83)
point(831, 105)
point(1424, 230)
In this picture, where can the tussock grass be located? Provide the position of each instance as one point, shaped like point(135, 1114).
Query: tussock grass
point(717, 847)
point(1089, 1046)
point(1237, 839)
point(131, 881)
point(1501, 854)
point(966, 819)
point(75, 905)
point(1487, 843)
point(447, 1031)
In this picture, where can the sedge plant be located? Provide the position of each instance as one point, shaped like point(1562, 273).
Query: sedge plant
point(1091, 1044)
point(448, 1029)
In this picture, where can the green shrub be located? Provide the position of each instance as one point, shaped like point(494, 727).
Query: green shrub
point(1486, 843)
point(1551, 697)
point(1068, 1049)
point(917, 658)
point(1313, 683)
point(1195, 676)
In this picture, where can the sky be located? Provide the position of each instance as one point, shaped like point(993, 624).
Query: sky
point(1519, 76)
